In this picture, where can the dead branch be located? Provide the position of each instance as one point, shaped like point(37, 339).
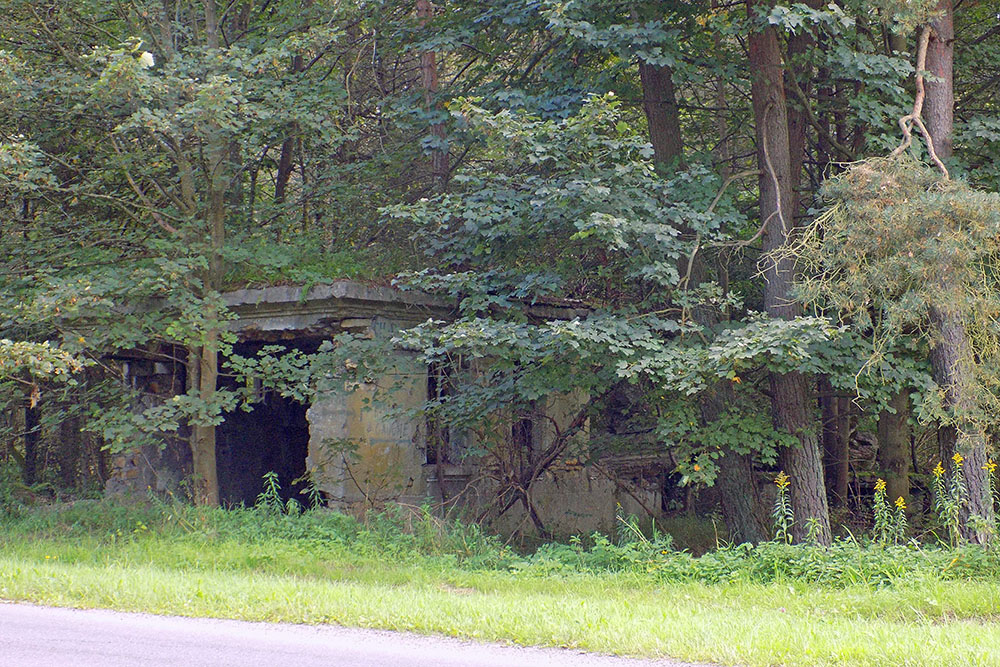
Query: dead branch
point(907, 122)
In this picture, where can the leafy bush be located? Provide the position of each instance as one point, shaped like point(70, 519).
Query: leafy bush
point(10, 482)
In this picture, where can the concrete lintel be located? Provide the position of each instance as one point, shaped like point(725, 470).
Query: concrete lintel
point(339, 291)
point(324, 309)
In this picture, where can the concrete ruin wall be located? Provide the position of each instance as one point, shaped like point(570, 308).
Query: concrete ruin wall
point(163, 466)
point(363, 453)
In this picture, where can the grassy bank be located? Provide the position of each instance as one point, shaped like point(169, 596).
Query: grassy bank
point(407, 572)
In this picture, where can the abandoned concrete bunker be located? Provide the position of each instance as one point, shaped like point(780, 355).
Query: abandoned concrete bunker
point(390, 459)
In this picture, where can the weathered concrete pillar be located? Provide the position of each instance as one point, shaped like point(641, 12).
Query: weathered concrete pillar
point(163, 465)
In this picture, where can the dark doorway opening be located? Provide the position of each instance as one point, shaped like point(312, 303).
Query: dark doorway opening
point(272, 437)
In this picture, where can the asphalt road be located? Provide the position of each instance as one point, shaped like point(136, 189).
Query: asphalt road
point(32, 636)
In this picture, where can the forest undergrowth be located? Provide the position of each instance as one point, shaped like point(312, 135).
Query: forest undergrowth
point(864, 600)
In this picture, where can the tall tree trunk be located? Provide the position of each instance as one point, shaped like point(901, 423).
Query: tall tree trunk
point(659, 102)
point(429, 82)
point(836, 442)
point(739, 494)
point(32, 436)
point(894, 447)
point(205, 358)
point(798, 47)
point(939, 104)
point(742, 504)
point(285, 165)
point(743, 507)
point(951, 355)
point(952, 364)
point(789, 392)
point(70, 452)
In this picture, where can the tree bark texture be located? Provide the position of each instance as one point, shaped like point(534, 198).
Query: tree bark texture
point(798, 46)
point(939, 104)
point(32, 453)
point(205, 491)
point(429, 82)
point(894, 447)
point(659, 103)
point(952, 365)
point(203, 360)
point(836, 443)
point(742, 505)
point(789, 392)
point(951, 355)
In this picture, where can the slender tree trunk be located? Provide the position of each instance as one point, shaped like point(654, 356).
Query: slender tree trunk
point(70, 452)
point(894, 447)
point(32, 436)
point(429, 82)
point(836, 443)
point(285, 165)
point(205, 490)
point(951, 355)
point(205, 358)
point(203, 450)
point(789, 392)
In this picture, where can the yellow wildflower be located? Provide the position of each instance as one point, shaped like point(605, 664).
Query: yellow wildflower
point(958, 458)
point(900, 503)
point(697, 467)
point(782, 480)
point(938, 470)
point(880, 484)
point(990, 466)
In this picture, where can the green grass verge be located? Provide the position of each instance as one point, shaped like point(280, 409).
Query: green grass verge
point(406, 577)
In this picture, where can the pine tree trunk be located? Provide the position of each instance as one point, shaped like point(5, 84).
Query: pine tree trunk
point(894, 447)
point(951, 355)
point(429, 82)
point(659, 102)
point(939, 104)
point(789, 392)
point(952, 364)
point(836, 443)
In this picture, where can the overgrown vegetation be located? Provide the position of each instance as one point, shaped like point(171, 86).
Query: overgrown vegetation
point(631, 593)
point(743, 284)
point(414, 534)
